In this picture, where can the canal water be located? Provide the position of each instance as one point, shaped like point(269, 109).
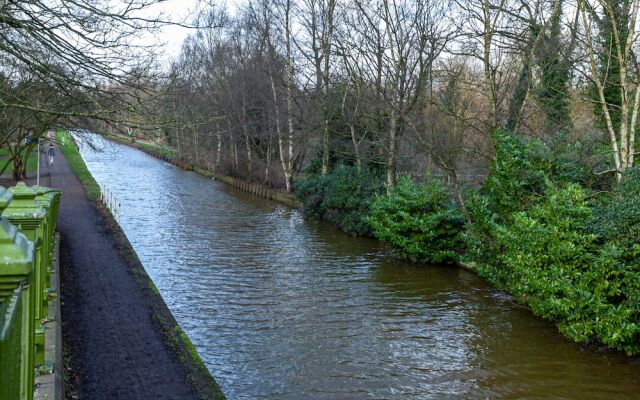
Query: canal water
point(280, 308)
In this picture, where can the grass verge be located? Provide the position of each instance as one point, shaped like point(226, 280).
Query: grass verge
point(32, 162)
point(161, 150)
point(71, 153)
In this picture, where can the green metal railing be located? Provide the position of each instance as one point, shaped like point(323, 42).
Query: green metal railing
point(27, 228)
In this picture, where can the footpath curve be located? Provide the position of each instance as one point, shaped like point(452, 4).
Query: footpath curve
point(114, 343)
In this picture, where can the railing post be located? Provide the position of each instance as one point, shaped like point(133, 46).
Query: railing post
point(46, 197)
point(17, 310)
point(29, 216)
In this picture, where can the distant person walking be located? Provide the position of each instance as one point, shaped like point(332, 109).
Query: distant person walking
point(51, 151)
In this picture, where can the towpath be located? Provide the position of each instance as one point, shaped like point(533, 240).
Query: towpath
point(116, 348)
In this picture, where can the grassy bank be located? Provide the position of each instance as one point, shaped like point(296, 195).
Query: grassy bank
point(71, 153)
point(32, 161)
point(130, 141)
point(168, 155)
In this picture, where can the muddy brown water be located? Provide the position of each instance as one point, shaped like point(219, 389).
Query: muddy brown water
point(281, 308)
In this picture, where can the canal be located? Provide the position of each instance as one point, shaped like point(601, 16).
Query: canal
point(280, 308)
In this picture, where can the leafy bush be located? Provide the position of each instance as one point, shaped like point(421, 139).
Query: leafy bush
point(551, 262)
point(418, 221)
point(575, 159)
point(343, 197)
point(522, 167)
point(617, 215)
point(520, 174)
point(517, 179)
point(535, 235)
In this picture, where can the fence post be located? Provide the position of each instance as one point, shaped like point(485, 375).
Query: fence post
point(17, 310)
point(29, 216)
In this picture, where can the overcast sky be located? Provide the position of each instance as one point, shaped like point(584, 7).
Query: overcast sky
point(182, 11)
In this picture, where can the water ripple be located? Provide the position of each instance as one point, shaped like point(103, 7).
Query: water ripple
point(283, 309)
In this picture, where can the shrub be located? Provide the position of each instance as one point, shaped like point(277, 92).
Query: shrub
point(517, 176)
point(418, 221)
point(617, 215)
point(343, 197)
point(520, 174)
point(535, 235)
point(516, 181)
point(310, 190)
point(550, 261)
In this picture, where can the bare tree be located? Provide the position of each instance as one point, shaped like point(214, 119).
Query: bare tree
point(624, 49)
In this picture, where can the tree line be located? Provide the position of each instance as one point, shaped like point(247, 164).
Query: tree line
point(73, 63)
point(280, 88)
point(498, 133)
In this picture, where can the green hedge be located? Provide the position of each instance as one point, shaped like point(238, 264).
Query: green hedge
point(418, 221)
point(537, 236)
point(343, 197)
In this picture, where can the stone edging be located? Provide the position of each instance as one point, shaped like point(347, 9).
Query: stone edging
point(254, 188)
point(49, 383)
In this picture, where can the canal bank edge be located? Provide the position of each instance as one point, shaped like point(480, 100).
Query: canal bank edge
point(253, 188)
point(256, 189)
point(203, 383)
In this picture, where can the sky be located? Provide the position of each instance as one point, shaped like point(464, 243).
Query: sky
point(172, 36)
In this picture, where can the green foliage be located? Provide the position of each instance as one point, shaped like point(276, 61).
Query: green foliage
point(343, 197)
point(535, 235)
point(418, 221)
point(517, 180)
point(76, 163)
point(617, 215)
point(553, 58)
point(575, 159)
point(163, 151)
point(552, 263)
point(520, 174)
point(517, 176)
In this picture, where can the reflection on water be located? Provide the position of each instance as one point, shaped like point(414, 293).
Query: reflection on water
point(280, 308)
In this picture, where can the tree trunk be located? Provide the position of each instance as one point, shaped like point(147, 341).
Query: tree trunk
point(488, 69)
point(288, 173)
point(391, 152)
point(235, 156)
point(218, 150)
point(326, 54)
point(195, 141)
point(247, 141)
point(356, 147)
point(267, 166)
point(283, 161)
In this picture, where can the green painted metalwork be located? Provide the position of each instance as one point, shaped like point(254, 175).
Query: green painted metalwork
point(49, 199)
point(27, 229)
point(12, 340)
point(30, 218)
point(17, 310)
